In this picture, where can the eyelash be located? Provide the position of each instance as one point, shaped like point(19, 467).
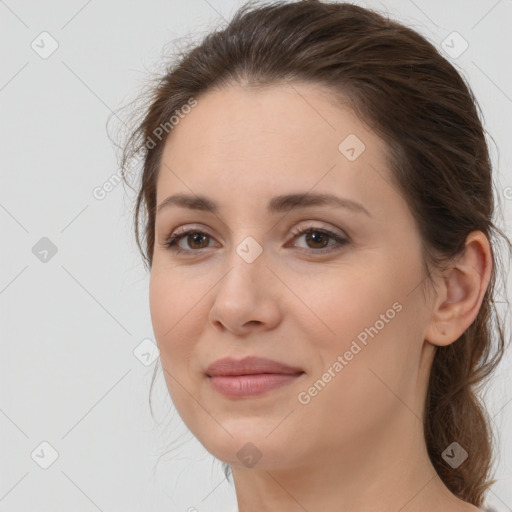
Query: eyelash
point(172, 241)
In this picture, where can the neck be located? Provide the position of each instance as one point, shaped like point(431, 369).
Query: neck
point(382, 471)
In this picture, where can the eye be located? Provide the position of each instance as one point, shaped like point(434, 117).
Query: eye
point(198, 240)
point(194, 236)
point(319, 237)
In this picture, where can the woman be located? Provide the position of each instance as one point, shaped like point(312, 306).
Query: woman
point(318, 224)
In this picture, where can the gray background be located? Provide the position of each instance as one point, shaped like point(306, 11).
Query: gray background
point(73, 371)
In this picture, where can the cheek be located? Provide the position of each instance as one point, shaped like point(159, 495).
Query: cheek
point(365, 317)
point(176, 313)
point(345, 304)
point(173, 297)
point(179, 312)
point(177, 317)
point(373, 380)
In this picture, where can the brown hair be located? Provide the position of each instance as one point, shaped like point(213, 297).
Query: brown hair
point(416, 101)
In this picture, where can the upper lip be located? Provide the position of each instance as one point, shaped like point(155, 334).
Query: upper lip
point(249, 366)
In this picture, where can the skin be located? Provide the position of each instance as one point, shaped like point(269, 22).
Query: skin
point(358, 444)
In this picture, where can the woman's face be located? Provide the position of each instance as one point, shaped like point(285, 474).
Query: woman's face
point(347, 309)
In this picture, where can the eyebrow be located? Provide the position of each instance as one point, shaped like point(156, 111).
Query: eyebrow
point(278, 204)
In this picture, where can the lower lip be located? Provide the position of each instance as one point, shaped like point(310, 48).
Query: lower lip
point(250, 385)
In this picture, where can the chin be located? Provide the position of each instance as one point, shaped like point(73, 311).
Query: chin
point(249, 449)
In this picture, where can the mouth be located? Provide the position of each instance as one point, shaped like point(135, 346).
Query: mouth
point(250, 376)
point(251, 385)
point(250, 365)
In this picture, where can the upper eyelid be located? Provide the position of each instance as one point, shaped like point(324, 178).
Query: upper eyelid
point(299, 227)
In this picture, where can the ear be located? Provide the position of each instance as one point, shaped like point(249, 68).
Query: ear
point(461, 289)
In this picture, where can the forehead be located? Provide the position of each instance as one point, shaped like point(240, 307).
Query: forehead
point(261, 141)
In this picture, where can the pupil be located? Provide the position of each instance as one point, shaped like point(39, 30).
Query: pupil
point(315, 235)
point(197, 237)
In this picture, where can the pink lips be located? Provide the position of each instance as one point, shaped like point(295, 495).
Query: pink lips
point(249, 376)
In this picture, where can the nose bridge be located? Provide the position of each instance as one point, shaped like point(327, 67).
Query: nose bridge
point(250, 239)
point(244, 294)
point(249, 250)
point(247, 266)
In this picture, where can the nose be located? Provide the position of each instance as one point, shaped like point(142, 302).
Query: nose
point(246, 298)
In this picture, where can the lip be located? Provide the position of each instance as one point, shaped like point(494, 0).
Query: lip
point(249, 376)
point(250, 365)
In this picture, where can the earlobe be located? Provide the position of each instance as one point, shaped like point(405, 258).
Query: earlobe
point(460, 291)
